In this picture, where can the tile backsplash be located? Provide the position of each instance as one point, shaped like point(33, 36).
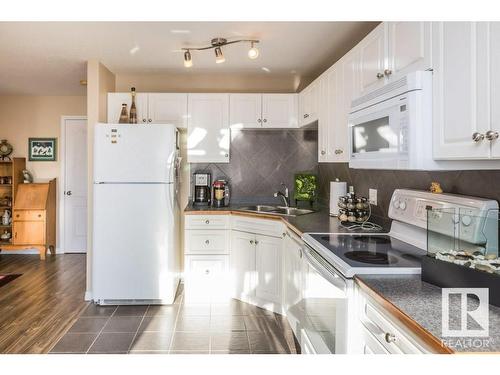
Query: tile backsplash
point(480, 183)
point(261, 159)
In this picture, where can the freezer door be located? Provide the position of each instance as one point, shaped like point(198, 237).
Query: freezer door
point(135, 247)
point(134, 153)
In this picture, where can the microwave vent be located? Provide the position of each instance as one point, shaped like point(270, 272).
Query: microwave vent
point(380, 92)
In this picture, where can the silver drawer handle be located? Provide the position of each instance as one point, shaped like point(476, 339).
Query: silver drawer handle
point(380, 75)
point(476, 137)
point(207, 272)
point(207, 221)
point(207, 242)
point(251, 242)
point(390, 337)
point(491, 135)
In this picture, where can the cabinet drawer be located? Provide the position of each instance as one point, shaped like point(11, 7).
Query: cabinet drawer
point(29, 233)
point(266, 227)
point(391, 337)
point(370, 344)
point(207, 222)
point(207, 241)
point(207, 278)
point(28, 215)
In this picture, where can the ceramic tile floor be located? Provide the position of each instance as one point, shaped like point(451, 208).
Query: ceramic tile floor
point(234, 327)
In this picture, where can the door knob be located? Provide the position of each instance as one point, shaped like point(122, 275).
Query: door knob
point(251, 242)
point(388, 72)
point(390, 337)
point(265, 120)
point(491, 135)
point(143, 120)
point(476, 137)
point(69, 192)
point(207, 241)
point(259, 120)
point(323, 152)
point(380, 75)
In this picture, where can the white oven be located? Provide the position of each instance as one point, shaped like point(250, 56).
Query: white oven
point(391, 127)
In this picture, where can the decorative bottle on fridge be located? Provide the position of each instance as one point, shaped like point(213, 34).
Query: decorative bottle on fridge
point(123, 115)
point(133, 109)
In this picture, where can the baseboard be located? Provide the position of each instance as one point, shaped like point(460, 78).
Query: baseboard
point(88, 295)
point(29, 251)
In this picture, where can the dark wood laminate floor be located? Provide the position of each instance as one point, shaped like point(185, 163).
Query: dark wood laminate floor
point(37, 308)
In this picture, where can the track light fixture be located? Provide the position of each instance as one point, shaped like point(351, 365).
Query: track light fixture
point(188, 62)
point(216, 45)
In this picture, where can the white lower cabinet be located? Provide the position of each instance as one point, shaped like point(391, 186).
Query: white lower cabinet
point(380, 333)
point(268, 268)
point(242, 263)
point(207, 278)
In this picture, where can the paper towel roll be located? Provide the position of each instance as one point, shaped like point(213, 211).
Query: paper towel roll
point(337, 189)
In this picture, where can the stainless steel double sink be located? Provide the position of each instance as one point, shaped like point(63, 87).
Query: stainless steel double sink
point(276, 210)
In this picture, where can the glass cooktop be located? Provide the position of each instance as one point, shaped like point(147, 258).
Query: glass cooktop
point(370, 250)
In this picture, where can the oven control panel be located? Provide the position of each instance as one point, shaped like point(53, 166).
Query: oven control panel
point(451, 215)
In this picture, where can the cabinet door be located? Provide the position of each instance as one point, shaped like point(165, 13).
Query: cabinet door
point(460, 95)
point(409, 46)
point(293, 271)
point(168, 109)
point(245, 111)
point(207, 279)
point(268, 267)
point(308, 104)
point(279, 110)
point(494, 39)
point(208, 128)
point(115, 101)
point(372, 50)
point(29, 232)
point(242, 264)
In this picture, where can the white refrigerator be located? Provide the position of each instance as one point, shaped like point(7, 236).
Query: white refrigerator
point(135, 252)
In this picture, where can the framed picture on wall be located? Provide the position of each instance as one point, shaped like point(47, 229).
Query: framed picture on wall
point(42, 149)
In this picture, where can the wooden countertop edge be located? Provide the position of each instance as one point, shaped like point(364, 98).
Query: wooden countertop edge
point(428, 338)
point(248, 214)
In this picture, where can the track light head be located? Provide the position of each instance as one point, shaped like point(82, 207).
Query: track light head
point(219, 56)
point(188, 61)
point(253, 52)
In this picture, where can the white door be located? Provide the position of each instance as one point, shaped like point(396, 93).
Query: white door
point(208, 128)
point(308, 104)
point(409, 46)
point(207, 279)
point(115, 101)
point(494, 54)
point(242, 264)
point(460, 94)
point(268, 267)
point(75, 186)
point(168, 109)
point(372, 51)
point(279, 110)
point(245, 111)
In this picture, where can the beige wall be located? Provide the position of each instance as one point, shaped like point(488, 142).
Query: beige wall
point(23, 117)
point(215, 82)
point(100, 81)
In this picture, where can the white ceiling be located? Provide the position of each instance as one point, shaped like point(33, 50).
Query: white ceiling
point(49, 57)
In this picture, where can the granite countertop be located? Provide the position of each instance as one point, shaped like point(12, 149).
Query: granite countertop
point(317, 222)
point(422, 302)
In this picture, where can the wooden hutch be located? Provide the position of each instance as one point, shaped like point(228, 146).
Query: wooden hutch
point(33, 216)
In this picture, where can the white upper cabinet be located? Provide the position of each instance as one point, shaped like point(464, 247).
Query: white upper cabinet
point(168, 109)
point(372, 59)
point(152, 108)
point(309, 103)
point(261, 111)
point(409, 47)
point(115, 101)
point(494, 79)
point(279, 111)
point(208, 128)
point(460, 90)
point(245, 111)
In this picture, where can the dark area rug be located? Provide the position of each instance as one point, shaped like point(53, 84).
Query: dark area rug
point(5, 279)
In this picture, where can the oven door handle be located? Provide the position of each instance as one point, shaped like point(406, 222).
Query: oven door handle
point(321, 266)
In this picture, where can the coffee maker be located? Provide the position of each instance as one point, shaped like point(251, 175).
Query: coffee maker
point(202, 191)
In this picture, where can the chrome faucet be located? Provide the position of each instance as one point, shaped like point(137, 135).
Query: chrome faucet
point(285, 196)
